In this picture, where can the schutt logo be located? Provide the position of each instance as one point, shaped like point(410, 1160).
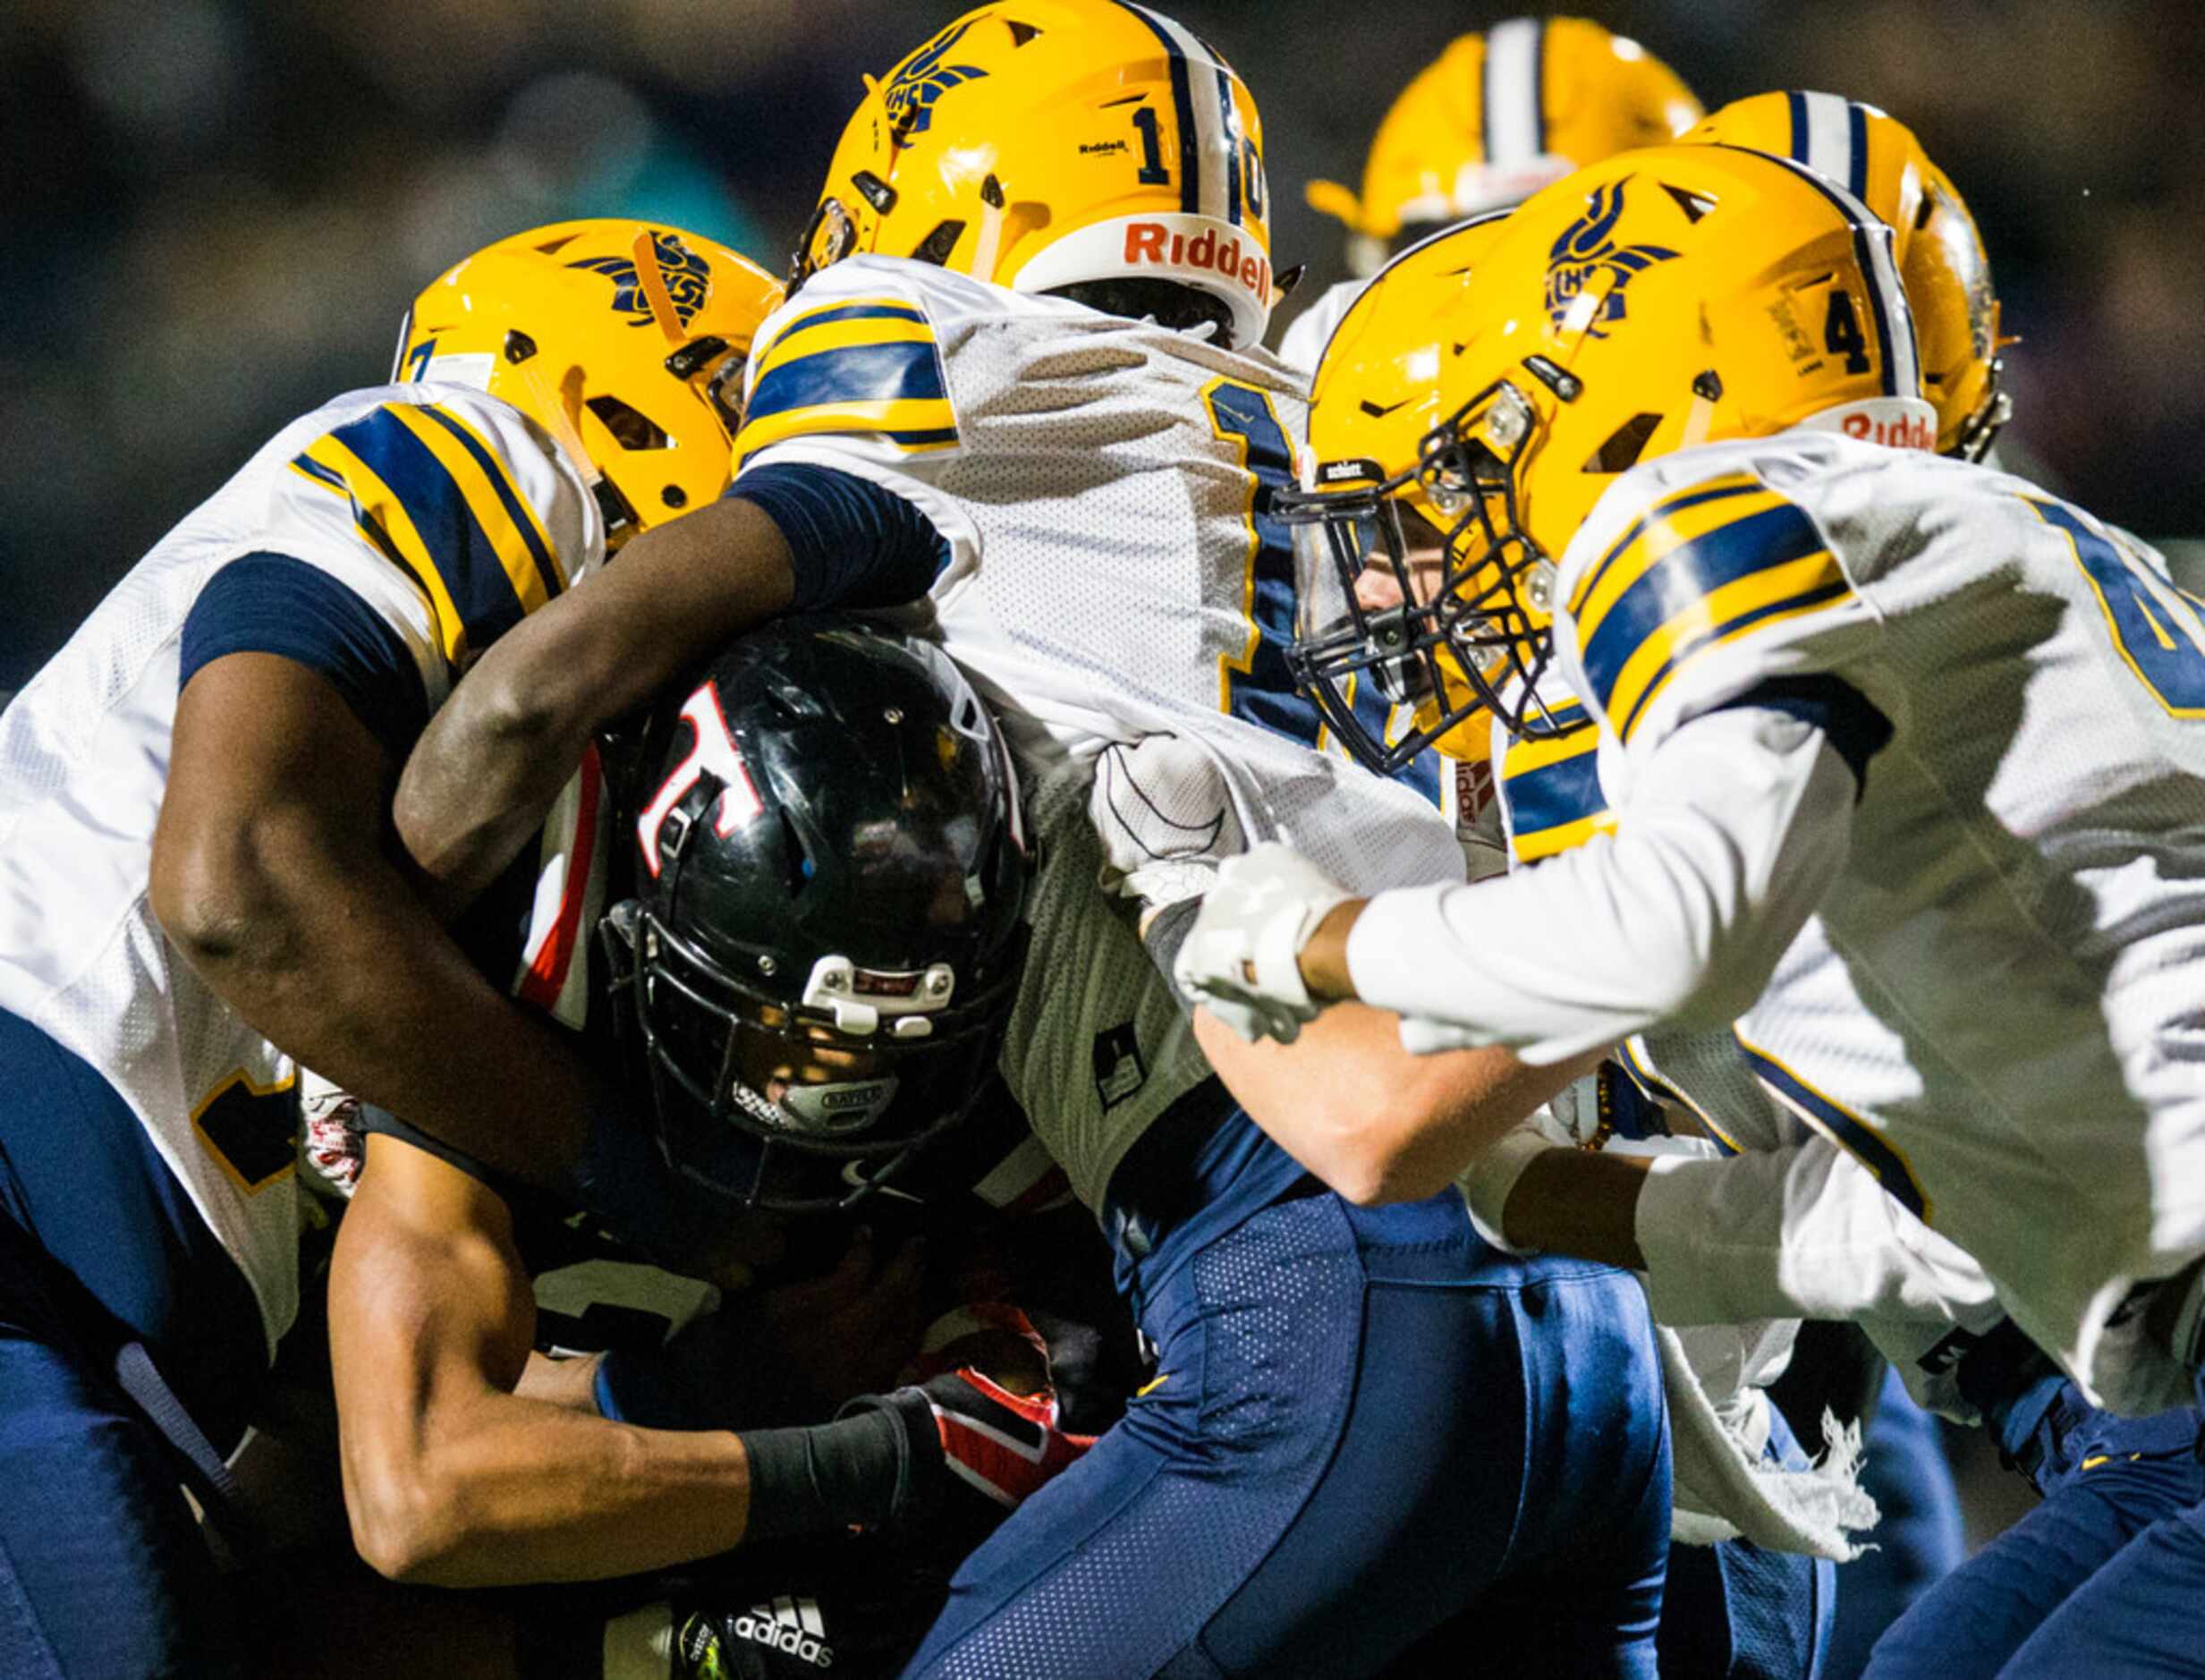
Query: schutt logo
point(1587, 251)
point(688, 278)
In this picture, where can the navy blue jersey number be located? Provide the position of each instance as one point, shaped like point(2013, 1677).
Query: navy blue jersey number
point(1256, 685)
point(2159, 629)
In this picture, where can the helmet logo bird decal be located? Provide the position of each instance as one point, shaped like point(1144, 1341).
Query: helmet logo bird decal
point(923, 79)
point(1587, 251)
point(688, 279)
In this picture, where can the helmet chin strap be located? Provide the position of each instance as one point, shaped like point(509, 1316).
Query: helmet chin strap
point(835, 1108)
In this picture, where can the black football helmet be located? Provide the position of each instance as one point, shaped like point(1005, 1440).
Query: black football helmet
point(825, 939)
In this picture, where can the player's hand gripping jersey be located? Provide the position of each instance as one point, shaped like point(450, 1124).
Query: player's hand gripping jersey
point(1109, 571)
point(2010, 921)
point(383, 540)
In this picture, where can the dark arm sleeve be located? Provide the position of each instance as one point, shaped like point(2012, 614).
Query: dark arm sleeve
point(272, 603)
point(854, 543)
point(1846, 718)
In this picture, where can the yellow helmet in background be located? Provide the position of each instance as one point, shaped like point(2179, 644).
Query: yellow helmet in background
point(1946, 274)
point(1040, 144)
point(624, 340)
point(1491, 384)
point(1496, 117)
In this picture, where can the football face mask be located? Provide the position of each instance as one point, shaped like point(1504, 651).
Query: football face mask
point(1448, 598)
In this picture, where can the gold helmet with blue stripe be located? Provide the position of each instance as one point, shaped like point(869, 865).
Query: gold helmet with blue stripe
point(1497, 116)
point(1940, 251)
point(624, 340)
point(1056, 144)
point(1489, 386)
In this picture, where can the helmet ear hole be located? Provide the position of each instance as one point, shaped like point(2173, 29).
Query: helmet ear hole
point(632, 429)
point(1623, 446)
point(935, 246)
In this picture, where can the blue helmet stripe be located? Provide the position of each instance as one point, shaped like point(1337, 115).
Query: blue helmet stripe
point(1871, 246)
point(1856, 122)
point(1231, 147)
point(1183, 106)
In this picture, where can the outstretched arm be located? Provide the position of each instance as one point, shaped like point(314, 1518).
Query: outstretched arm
point(1737, 825)
point(450, 1476)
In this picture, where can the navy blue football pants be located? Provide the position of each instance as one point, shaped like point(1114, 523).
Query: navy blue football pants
point(2106, 1578)
point(103, 1571)
point(1919, 1538)
point(1736, 1611)
point(1372, 1438)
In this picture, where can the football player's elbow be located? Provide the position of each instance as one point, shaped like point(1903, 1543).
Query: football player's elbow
point(407, 1523)
point(1381, 1163)
point(218, 891)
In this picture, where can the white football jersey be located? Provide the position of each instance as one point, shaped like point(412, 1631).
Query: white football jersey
point(450, 517)
point(1114, 573)
point(1798, 1227)
point(1999, 1005)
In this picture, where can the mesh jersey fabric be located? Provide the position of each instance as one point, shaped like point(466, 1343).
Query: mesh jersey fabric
point(84, 756)
point(2035, 831)
point(1114, 573)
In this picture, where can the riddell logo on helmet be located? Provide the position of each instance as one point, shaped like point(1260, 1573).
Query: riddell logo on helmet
point(1245, 265)
point(1904, 431)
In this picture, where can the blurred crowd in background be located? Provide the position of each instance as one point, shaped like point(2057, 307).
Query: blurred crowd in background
point(215, 210)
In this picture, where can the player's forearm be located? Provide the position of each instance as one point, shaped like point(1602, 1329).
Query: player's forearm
point(511, 1490)
point(1801, 1231)
point(1576, 1201)
point(495, 756)
point(1374, 1122)
point(1680, 916)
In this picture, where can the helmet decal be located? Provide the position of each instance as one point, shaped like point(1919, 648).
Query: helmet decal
point(1585, 250)
point(687, 276)
point(922, 79)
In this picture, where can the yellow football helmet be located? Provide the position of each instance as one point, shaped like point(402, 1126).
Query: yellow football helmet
point(1878, 159)
point(1490, 384)
point(1045, 144)
point(624, 341)
point(1496, 117)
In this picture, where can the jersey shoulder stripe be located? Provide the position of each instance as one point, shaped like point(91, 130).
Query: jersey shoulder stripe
point(1842, 1126)
point(431, 496)
point(1550, 790)
point(1701, 569)
point(868, 365)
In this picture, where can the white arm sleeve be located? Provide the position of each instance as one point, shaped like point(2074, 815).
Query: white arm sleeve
point(1736, 825)
point(1800, 1231)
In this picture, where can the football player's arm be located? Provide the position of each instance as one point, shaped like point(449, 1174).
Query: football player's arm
point(451, 1477)
point(1738, 823)
point(785, 538)
point(271, 878)
point(1373, 1121)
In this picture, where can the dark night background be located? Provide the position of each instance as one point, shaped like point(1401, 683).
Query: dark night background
point(214, 211)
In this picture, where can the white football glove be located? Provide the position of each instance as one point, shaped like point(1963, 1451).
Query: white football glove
point(1165, 819)
point(1240, 960)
